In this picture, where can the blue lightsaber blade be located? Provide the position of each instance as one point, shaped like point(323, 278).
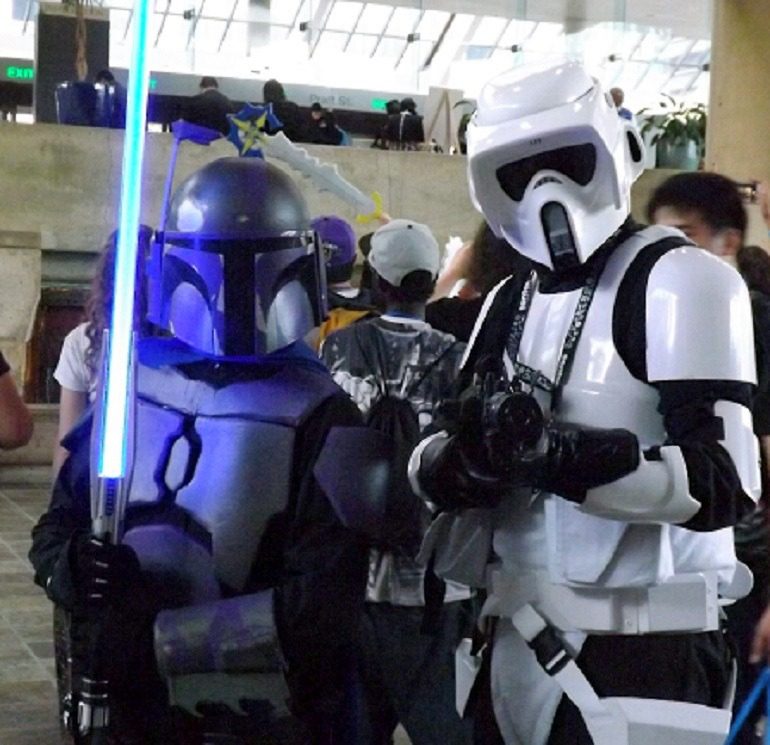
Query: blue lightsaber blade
point(116, 399)
point(112, 456)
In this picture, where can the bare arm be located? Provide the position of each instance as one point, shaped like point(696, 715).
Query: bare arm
point(455, 270)
point(15, 419)
point(71, 408)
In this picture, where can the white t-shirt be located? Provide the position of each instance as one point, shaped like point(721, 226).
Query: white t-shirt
point(72, 372)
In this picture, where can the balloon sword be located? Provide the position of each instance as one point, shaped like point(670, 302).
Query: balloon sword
point(113, 420)
point(247, 133)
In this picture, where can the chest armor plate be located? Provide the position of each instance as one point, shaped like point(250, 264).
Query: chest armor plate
point(224, 456)
point(599, 392)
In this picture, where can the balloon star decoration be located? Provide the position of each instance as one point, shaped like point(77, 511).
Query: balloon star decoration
point(247, 128)
point(248, 134)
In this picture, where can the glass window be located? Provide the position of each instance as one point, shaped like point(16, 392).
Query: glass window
point(330, 41)
point(284, 11)
point(374, 18)
point(343, 16)
point(474, 52)
point(208, 35)
point(118, 22)
point(651, 45)
point(488, 31)
point(516, 33)
point(432, 24)
point(175, 34)
point(676, 49)
point(545, 35)
point(390, 48)
point(180, 6)
point(361, 45)
point(236, 42)
point(403, 22)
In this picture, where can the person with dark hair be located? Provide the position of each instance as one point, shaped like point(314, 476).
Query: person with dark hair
point(754, 265)
point(408, 675)
point(323, 129)
point(78, 366)
point(287, 111)
point(618, 96)
point(708, 209)
point(404, 130)
point(210, 107)
point(392, 107)
point(481, 264)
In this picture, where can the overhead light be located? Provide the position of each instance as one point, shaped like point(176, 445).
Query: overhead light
point(515, 48)
point(412, 37)
point(304, 25)
point(189, 14)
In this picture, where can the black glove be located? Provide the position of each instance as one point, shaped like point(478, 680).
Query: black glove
point(102, 573)
point(581, 458)
point(456, 472)
point(481, 462)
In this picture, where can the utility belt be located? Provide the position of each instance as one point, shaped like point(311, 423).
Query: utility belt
point(687, 603)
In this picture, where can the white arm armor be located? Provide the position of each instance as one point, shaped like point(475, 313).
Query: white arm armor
point(699, 327)
point(658, 491)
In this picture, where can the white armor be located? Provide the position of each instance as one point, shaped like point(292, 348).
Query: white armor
point(562, 108)
point(617, 563)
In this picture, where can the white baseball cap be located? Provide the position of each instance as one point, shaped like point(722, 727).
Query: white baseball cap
point(402, 247)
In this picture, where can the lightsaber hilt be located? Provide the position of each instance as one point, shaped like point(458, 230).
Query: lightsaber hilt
point(93, 706)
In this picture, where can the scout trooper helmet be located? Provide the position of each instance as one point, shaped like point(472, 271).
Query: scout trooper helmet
point(551, 163)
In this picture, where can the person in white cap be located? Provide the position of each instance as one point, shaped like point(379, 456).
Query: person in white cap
point(386, 364)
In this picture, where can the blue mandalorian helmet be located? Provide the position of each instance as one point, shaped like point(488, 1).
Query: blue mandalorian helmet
point(237, 271)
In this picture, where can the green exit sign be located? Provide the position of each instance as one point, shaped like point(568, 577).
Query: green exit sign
point(379, 104)
point(13, 72)
point(153, 84)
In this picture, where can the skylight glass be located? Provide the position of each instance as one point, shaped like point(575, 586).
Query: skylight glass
point(403, 22)
point(343, 16)
point(432, 24)
point(374, 18)
point(488, 31)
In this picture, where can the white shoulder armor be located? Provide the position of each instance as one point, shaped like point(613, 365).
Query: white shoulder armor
point(698, 319)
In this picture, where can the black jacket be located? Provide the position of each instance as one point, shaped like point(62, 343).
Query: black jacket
point(209, 109)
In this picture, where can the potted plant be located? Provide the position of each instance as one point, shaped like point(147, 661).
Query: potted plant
point(678, 133)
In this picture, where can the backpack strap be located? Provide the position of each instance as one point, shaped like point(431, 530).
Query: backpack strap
point(429, 369)
point(381, 378)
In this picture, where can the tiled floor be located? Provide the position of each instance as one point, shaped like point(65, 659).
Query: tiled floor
point(27, 689)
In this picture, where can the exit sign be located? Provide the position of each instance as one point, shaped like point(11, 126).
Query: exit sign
point(379, 104)
point(14, 72)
